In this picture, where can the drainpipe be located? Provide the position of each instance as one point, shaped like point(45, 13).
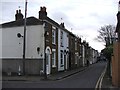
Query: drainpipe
point(45, 74)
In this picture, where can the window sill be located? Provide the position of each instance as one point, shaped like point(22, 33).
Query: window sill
point(53, 43)
point(53, 66)
point(61, 45)
point(61, 65)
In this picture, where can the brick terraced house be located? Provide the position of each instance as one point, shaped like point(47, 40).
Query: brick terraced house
point(46, 40)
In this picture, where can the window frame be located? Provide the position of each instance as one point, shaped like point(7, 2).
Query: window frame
point(61, 38)
point(53, 58)
point(53, 35)
point(61, 58)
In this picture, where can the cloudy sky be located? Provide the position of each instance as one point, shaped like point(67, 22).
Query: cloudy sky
point(82, 17)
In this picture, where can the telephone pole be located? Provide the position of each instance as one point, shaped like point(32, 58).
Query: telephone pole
point(24, 38)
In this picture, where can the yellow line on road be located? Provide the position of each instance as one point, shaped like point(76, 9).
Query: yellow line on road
point(99, 82)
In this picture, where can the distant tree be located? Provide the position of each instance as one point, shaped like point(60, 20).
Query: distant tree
point(106, 34)
point(107, 52)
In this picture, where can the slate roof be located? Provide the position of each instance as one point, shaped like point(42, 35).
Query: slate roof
point(30, 21)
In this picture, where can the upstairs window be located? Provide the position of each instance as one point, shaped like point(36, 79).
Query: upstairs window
point(61, 38)
point(75, 44)
point(76, 58)
point(53, 37)
point(53, 58)
point(61, 58)
point(67, 41)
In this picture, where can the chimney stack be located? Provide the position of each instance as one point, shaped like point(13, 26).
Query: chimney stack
point(18, 15)
point(62, 25)
point(42, 13)
point(16, 11)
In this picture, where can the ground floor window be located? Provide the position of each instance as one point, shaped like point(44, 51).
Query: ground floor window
point(61, 59)
point(53, 58)
point(76, 58)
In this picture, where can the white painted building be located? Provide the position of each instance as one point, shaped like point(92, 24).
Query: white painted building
point(46, 41)
point(83, 55)
point(63, 44)
point(12, 45)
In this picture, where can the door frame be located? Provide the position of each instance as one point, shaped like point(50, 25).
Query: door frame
point(61, 67)
point(48, 53)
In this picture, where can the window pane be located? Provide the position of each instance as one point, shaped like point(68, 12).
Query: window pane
point(53, 58)
point(61, 38)
point(53, 36)
point(61, 58)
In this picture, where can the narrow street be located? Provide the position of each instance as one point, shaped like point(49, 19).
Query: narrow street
point(84, 79)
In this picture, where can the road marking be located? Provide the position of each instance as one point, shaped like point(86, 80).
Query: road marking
point(99, 82)
point(102, 77)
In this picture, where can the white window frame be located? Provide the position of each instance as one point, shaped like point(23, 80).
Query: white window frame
point(53, 58)
point(76, 58)
point(75, 44)
point(61, 38)
point(67, 41)
point(61, 58)
point(53, 35)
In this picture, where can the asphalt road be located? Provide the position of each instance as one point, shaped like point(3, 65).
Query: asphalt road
point(85, 79)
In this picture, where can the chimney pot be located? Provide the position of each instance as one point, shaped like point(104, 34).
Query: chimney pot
point(44, 8)
point(41, 8)
point(42, 13)
point(18, 15)
point(62, 25)
point(16, 11)
point(19, 11)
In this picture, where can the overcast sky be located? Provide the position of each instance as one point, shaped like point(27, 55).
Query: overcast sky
point(82, 17)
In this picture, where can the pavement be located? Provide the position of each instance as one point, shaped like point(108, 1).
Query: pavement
point(53, 77)
point(106, 82)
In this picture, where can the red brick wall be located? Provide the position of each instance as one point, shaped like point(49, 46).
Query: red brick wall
point(113, 70)
point(116, 65)
point(119, 64)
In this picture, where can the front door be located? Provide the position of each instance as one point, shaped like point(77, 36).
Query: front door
point(61, 62)
point(66, 62)
point(48, 62)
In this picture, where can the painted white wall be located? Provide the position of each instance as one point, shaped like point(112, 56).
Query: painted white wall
point(65, 45)
point(83, 55)
point(93, 59)
point(12, 46)
point(59, 50)
point(35, 38)
point(95, 56)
